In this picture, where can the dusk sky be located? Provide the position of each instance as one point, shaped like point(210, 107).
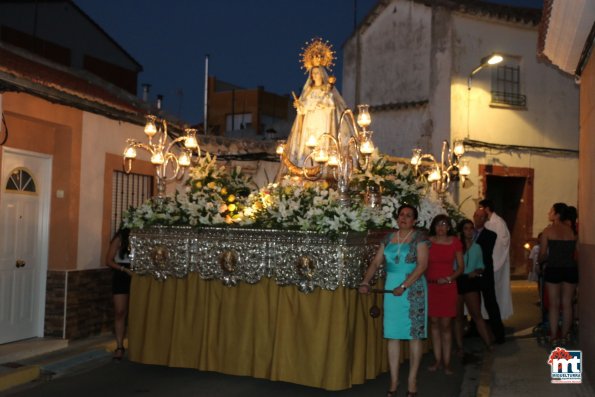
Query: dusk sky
point(250, 43)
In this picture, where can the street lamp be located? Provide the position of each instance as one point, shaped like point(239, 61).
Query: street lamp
point(168, 166)
point(489, 60)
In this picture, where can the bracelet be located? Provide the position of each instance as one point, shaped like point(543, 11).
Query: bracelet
point(364, 284)
point(403, 286)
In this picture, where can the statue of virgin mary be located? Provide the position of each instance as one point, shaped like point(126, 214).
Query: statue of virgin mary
point(319, 108)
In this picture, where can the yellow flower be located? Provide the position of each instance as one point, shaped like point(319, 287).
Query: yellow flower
point(231, 198)
point(198, 184)
point(287, 190)
point(211, 185)
point(223, 190)
point(231, 207)
point(324, 185)
point(257, 205)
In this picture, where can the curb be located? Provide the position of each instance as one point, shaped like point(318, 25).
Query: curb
point(485, 376)
point(19, 376)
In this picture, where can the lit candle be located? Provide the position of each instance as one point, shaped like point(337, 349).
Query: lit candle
point(311, 143)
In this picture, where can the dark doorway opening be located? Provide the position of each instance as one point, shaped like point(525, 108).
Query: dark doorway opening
point(511, 189)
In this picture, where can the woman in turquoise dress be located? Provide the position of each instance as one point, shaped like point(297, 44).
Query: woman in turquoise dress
point(405, 309)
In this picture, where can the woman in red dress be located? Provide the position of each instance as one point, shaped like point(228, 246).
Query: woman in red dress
point(446, 255)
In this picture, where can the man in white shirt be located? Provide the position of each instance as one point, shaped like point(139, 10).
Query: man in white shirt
point(501, 257)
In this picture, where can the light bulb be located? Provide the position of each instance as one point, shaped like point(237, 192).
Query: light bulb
point(311, 143)
point(280, 149)
point(434, 175)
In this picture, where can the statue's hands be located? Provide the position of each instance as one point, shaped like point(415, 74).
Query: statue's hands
point(297, 104)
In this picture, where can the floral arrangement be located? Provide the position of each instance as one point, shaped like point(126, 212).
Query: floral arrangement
point(214, 195)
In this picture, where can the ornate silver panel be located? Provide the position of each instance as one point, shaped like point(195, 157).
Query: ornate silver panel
point(305, 259)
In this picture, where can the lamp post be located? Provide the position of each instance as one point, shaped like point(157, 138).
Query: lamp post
point(168, 166)
point(440, 174)
point(329, 152)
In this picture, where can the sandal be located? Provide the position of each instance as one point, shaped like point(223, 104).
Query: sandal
point(119, 353)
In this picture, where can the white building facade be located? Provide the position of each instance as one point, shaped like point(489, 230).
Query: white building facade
point(412, 61)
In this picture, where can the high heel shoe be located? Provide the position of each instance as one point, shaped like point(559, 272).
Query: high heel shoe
point(119, 353)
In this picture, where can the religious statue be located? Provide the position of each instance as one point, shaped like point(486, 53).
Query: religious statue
point(319, 108)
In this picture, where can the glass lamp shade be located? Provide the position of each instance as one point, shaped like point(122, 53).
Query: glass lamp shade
point(311, 142)
point(280, 149)
point(434, 175)
point(333, 160)
point(458, 148)
point(150, 127)
point(416, 157)
point(321, 156)
point(190, 141)
point(157, 158)
point(465, 169)
point(130, 153)
point(184, 159)
point(367, 147)
point(363, 116)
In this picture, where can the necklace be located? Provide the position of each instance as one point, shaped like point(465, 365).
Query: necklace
point(399, 243)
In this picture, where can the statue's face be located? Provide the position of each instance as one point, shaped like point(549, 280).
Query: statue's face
point(316, 76)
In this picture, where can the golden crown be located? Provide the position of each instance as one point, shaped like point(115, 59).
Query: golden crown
point(317, 53)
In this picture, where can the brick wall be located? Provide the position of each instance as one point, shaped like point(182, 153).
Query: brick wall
point(88, 308)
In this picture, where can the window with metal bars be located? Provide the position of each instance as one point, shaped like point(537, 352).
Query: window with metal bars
point(506, 86)
point(128, 190)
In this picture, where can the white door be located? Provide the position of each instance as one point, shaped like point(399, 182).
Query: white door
point(24, 214)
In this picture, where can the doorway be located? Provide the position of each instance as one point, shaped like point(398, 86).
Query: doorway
point(24, 224)
point(511, 190)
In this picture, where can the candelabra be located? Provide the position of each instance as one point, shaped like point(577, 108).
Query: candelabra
point(332, 153)
point(440, 174)
point(168, 166)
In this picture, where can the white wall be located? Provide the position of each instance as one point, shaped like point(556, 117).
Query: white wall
point(100, 136)
point(550, 119)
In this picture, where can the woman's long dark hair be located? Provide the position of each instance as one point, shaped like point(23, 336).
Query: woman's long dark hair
point(460, 228)
point(124, 234)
